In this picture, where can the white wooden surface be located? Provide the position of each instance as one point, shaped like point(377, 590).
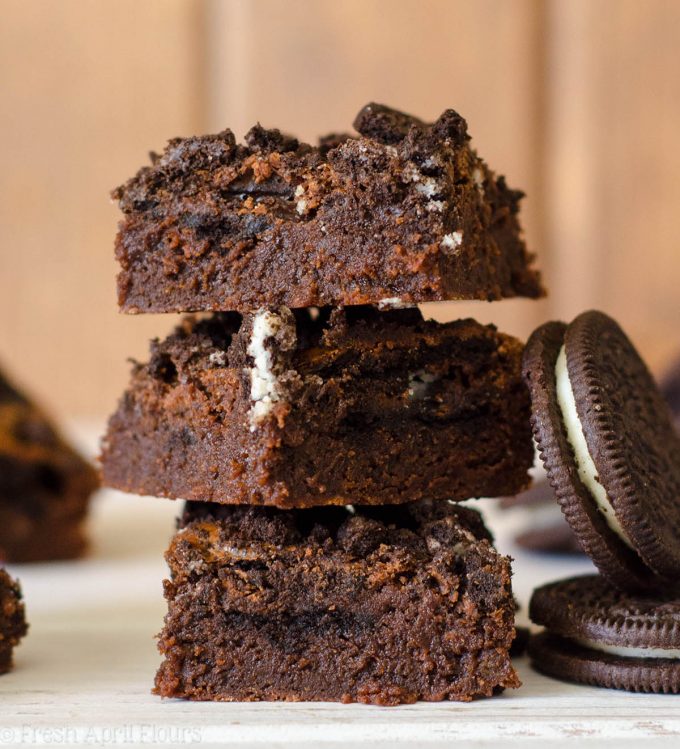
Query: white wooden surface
point(83, 674)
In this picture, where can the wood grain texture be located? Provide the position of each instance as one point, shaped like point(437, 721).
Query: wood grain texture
point(577, 103)
point(613, 167)
point(312, 66)
point(88, 88)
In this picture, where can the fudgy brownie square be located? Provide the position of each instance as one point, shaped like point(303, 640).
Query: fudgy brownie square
point(404, 210)
point(381, 605)
point(12, 619)
point(45, 486)
point(314, 407)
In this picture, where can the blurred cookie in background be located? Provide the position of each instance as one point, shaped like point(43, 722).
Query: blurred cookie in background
point(45, 485)
point(542, 525)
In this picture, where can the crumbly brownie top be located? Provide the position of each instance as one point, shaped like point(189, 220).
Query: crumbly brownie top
point(314, 337)
point(210, 534)
point(280, 351)
point(344, 526)
point(389, 207)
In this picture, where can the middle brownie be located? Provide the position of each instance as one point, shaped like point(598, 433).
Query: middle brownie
point(319, 406)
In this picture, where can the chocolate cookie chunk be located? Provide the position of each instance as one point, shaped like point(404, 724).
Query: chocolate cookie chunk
point(45, 485)
point(609, 447)
point(404, 212)
point(596, 634)
point(12, 619)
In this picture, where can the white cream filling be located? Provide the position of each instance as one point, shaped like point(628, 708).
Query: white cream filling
point(394, 302)
point(427, 186)
point(264, 385)
point(478, 177)
point(626, 651)
point(587, 471)
point(419, 383)
point(452, 241)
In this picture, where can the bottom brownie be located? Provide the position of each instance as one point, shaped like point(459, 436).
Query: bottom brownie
point(12, 620)
point(381, 605)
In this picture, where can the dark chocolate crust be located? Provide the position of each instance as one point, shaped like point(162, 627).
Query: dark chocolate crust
point(405, 210)
point(12, 619)
point(630, 435)
point(387, 607)
point(589, 607)
point(619, 564)
point(45, 485)
point(374, 408)
point(562, 659)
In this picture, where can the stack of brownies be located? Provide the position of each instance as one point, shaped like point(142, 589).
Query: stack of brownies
point(321, 429)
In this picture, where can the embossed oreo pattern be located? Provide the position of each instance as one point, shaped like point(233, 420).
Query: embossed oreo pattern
point(614, 560)
point(589, 608)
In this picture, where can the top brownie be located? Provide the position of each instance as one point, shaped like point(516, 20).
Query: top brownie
point(404, 212)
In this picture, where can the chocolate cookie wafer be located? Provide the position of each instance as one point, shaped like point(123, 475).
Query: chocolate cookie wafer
point(596, 634)
point(608, 444)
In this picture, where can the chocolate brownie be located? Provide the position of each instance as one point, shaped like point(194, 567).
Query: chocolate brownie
point(12, 619)
point(313, 407)
point(595, 634)
point(45, 485)
point(404, 212)
point(609, 447)
point(382, 605)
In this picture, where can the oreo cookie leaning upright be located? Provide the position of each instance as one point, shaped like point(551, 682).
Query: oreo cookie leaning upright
point(608, 444)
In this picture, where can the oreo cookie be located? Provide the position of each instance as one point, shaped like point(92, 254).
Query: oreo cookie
point(596, 634)
point(610, 450)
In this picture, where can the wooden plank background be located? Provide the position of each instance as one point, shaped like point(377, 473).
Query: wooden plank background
point(578, 103)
